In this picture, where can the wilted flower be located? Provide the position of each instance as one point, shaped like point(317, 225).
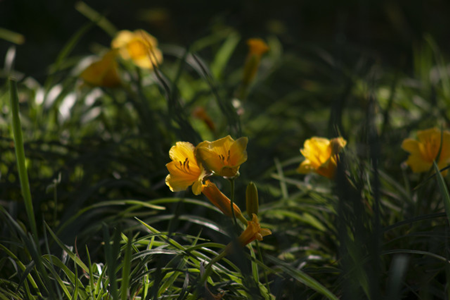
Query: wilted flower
point(223, 156)
point(216, 197)
point(251, 233)
point(321, 156)
point(424, 151)
point(139, 46)
point(103, 72)
point(184, 169)
point(201, 114)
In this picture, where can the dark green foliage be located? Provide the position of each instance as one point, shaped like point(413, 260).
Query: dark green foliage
point(99, 222)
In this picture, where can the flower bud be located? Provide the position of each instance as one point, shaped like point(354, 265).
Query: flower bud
point(252, 202)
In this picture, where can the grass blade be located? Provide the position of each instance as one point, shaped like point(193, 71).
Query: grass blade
point(443, 189)
point(303, 278)
point(20, 156)
point(126, 269)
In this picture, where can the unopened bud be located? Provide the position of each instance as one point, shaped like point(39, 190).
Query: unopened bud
point(252, 202)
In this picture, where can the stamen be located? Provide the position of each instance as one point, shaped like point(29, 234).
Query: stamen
point(228, 158)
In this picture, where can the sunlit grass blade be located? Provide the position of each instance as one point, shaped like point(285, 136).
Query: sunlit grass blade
point(11, 36)
point(95, 17)
point(284, 190)
point(72, 255)
point(223, 55)
point(126, 269)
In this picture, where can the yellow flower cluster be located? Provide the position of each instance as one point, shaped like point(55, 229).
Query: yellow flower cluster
point(139, 46)
point(190, 166)
point(321, 155)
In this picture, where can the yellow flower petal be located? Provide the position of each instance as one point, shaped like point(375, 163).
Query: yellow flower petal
point(139, 46)
point(103, 72)
point(184, 169)
point(418, 164)
point(321, 155)
point(223, 156)
point(317, 150)
point(424, 151)
point(238, 153)
point(412, 146)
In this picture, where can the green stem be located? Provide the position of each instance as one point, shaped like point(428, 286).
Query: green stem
point(231, 180)
point(264, 270)
point(20, 156)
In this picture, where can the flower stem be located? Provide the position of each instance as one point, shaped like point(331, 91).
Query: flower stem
point(231, 180)
point(264, 270)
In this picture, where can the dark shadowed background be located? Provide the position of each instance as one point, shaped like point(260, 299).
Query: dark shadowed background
point(388, 28)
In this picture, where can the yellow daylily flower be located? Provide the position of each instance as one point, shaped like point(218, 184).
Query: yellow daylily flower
point(103, 72)
point(256, 48)
point(139, 46)
point(184, 169)
point(223, 156)
point(216, 197)
point(424, 151)
point(321, 156)
point(251, 233)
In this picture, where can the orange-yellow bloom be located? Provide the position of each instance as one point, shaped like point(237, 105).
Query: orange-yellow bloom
point(321, 156)
point(251, 233)
point(139, 46)
point(103, 72)
point(424, 151)
point(223, 156)
point(184, 169)
point(216, 197)
point(256, 48)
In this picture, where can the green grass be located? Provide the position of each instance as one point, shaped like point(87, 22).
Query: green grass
point(85, 212)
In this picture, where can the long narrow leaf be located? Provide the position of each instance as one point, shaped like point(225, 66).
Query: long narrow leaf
point(443, 189)
point(20, 156)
